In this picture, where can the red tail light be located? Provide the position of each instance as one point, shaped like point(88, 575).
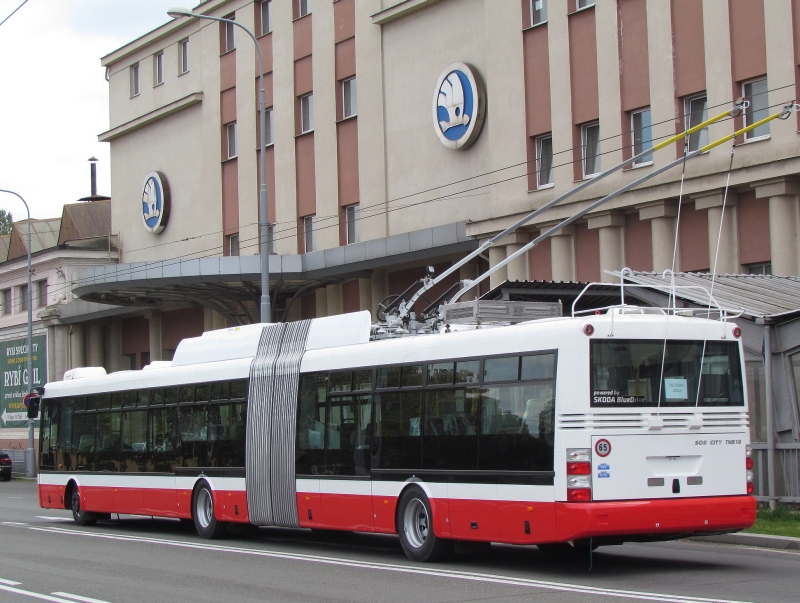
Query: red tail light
point(579, 494)
point(579, 468)
point(748, 462)
point(750, 487)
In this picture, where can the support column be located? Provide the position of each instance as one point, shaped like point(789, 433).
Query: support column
point(727, 258)
point(95, 346)
point(58, 351)
point(365, 296)
point(496, 255)
point(782, 195)
point(335, 302)
point(611, 236)
point(156, 349)
point(662, 228)
point(115, 361)
point(562, 254)
point(517, 270)
point(77, 348)
point(379, 289)
point(321, 295)
point(469, 272)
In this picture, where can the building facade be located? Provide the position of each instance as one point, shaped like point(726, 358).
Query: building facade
point(404, 133)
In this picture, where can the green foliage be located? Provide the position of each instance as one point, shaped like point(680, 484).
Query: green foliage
point(780, 522)
point(5, 222)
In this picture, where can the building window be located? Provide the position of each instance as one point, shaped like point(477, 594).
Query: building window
point(6, 301)
point(309, 237)
point(306, 113)
point(233, 244)
point(544, 161)
point(269, 137)
point(230, 134)
point(584, 3)
point(183, 56)
point(695, 112)
point(349, 98)
point(41, 293)
point(230, 40)
point(538, 12)
point(158, 68)
point(590, 141)
point(303, 7)
point(642, 131)
point(23, 297)
point(352, 215)
point(762, 268)
point(266, 17)
point(756, 92)
point(135, 80)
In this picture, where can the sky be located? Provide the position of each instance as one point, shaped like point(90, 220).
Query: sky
point(54, 97)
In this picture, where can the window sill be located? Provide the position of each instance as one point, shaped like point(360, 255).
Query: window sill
point(301, 17)
point(222, 54)
point(158, 85)
point(347, 118)
point(183, 73)
point(589, 176)
point(534, 26)
point(580, 10)
point(307, 132)
point(264, 34)
point(234, 158)
point(641, 165)
point(544, 187)
point(757, 139)
point(135, 95)
point(266, 146)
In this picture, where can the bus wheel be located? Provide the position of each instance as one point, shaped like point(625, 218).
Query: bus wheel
point(415, 527)
point(205, 522)
point(81, 517)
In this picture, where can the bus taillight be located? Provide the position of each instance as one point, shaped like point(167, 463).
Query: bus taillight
point(748, 464)
point(579, 474)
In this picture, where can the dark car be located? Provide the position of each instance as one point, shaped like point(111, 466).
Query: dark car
point(5, 467)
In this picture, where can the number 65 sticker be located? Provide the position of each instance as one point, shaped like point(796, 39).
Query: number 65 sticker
point(602, 447)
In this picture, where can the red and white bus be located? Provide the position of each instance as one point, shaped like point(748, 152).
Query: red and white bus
point(626, 425)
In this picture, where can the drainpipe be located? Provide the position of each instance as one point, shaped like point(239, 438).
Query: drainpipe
point(770, 418)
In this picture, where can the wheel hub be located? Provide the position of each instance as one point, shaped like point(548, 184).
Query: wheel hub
point(416, 523)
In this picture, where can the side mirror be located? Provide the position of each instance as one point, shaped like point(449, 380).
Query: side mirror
point(32, 402)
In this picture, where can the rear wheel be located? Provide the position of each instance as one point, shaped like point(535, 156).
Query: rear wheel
point(81, 517)
point(6, 477)
point(205, 522)
point(415, 527)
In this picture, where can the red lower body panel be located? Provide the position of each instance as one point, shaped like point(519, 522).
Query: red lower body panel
point(51, 497)
point(654, 517)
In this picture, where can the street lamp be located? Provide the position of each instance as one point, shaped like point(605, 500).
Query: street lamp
point(30, 454)
point(266, 311)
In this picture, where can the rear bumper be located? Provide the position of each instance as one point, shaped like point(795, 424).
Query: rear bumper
point(654, 519)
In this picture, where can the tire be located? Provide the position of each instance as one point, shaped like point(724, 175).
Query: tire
point(415, 528)
point(81, 517)
point(6, 477)
point(205, 522)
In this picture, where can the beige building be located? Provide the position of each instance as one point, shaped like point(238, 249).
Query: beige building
point(366, 101)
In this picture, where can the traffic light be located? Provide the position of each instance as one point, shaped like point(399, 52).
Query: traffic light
point(32, 401)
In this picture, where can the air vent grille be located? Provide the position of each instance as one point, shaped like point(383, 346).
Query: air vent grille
point(483, 311)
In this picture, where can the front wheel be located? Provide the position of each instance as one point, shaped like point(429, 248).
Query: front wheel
point(415, 527)
point(205, 521)
point(81, 517)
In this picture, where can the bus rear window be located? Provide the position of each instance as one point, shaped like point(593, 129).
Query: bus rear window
point(631, 373)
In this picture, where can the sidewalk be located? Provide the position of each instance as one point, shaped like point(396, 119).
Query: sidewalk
point(765, 541)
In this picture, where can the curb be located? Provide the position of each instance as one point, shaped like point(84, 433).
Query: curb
point(758, 540)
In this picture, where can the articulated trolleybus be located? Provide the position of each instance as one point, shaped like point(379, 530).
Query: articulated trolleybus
point(625, 425)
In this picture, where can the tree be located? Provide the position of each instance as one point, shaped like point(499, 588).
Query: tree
point(5, 222)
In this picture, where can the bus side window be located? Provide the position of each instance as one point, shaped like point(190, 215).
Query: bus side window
point(226, 433)
point(398, 430)
point(82, 447)
point(311, 417)
point(163, 440)
point(46, 460)
point(62, 438)
point(134, 441)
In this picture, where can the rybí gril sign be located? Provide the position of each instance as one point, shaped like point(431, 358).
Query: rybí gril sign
point(15, 384)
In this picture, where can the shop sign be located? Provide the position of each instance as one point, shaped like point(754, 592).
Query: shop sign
point(155, 203)
point(15, 386)
point(459, 106)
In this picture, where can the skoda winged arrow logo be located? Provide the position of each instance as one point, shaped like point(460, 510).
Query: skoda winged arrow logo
point(459, 106)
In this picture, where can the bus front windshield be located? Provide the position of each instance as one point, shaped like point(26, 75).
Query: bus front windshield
point(636, 372)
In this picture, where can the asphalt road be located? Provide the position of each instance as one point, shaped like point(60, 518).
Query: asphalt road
point(44, 556)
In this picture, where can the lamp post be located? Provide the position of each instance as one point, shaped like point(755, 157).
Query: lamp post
point(266, 310)
point(30, 454)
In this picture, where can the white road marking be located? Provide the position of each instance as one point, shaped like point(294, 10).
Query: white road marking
point(29, 593)
point(79, 598)
point(387, 567)
point(51, 518)
point(9, 582)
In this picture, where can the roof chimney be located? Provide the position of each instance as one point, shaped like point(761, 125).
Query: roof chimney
point(94, 196)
